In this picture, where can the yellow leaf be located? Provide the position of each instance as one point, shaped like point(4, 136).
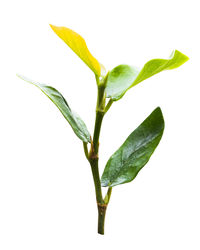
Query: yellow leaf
point(78, 45)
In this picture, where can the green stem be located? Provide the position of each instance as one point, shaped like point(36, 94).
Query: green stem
point(93, 155)
point(96, 178)
point(97, 129)
point(94, 158)
point(101, 217)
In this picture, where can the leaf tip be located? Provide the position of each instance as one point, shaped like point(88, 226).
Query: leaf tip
point(159, 111)
point(178, 59)
point(186, 58)
point(160, 116)
point(53, 27)
point(20, 76)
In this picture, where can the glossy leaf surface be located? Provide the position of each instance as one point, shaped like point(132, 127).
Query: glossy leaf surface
point(78, 45)
point(124, 165)
point(74, 120)
point(124, 77)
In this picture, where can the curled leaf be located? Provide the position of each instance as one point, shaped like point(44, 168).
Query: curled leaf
point(124, 77)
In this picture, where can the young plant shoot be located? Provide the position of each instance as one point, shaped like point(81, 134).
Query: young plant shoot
point(124, 165)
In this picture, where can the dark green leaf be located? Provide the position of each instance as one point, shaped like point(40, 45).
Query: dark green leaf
point(130, 158)
point(124, 77)
point(74, 120)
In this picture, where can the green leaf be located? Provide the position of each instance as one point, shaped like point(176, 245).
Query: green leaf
point(78, 45)
point(124, 165)
point(74, 120)
point(124, 77)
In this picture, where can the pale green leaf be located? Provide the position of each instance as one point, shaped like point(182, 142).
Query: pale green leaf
point(124, 77)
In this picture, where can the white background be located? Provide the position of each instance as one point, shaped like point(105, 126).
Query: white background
point(46, 191)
